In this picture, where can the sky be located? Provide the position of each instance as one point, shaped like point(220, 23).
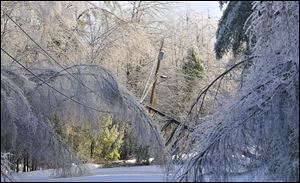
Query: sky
point(206, 7)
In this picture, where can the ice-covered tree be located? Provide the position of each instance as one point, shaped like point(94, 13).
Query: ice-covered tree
point(28, 101)
point(5, 168)
point(257, 133)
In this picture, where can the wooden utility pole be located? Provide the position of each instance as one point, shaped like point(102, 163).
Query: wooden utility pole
point(160, 57)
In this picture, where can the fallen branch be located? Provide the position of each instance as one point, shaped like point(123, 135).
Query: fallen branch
point(171, 119)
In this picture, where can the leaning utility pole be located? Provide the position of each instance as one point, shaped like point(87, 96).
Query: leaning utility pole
point(160, 57)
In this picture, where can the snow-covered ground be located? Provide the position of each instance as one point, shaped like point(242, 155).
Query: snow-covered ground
point(119, 174)
point(123, 174)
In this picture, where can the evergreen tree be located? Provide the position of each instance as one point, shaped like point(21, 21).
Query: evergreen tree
point(109, 140)
point(231, 28)
point(192, 66)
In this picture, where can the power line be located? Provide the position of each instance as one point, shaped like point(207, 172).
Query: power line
point(48, 54)
point(52, 86)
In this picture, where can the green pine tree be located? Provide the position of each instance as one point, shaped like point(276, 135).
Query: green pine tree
point(192, 65)
point(108, 142)
point(231, 28)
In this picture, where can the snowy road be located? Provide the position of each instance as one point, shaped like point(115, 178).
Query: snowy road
point(119, 174)
point(113, 178)
point(124, 174)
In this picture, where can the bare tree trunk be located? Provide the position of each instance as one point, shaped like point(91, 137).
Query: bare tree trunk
point(24, 163)
point(27, 162)
point(32, 164)
point(17, 167)
point(92, 147)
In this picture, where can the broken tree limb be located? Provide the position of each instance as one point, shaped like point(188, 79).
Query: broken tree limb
point(171, 119)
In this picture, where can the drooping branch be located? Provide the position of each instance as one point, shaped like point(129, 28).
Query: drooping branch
point(47, 101)
point(204, 91)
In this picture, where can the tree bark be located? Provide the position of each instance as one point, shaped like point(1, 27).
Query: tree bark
point(27, 162)
point(24, 163)
point(32, 164)
point(92, 147)
point(17, 168)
